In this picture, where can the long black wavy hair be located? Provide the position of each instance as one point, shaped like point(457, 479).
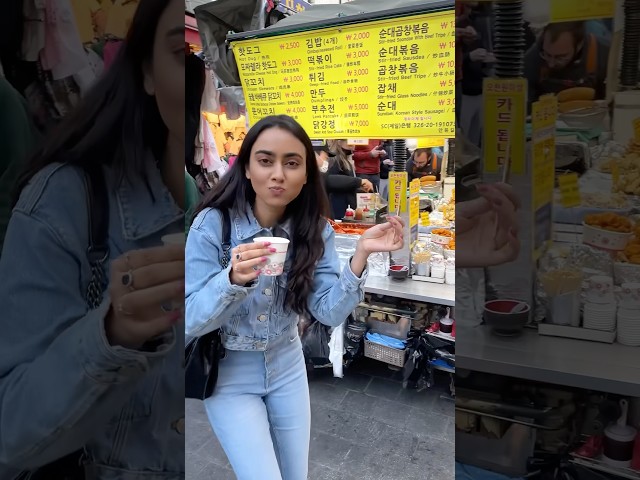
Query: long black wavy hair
point(116, 123)
point(308, 211)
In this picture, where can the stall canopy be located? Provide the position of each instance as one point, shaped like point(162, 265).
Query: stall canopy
point(222, 21)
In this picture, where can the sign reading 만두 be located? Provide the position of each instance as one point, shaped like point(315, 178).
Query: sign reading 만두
point(382, 79)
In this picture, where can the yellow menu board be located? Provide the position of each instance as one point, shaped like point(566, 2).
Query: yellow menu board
point(543, 136)
point(383, 79)
point(573, 10)
point(397, 192)
point(505, 109)
point(414, 210)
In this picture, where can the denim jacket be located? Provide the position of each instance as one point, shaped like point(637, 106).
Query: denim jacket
point(62, 386)
point(252, 316)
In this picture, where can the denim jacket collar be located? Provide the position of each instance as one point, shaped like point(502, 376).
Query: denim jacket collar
point(247, 225)
point(133, 197)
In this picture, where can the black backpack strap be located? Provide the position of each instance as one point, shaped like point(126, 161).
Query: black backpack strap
point(226, 238)
point(98, 249)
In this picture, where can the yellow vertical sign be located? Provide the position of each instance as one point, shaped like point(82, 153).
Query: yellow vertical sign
point(505, 109)
point(569, 190)
point(636, 129)
point(397, 192)
point(575, 10)
point(543, 123)
point(414, 209)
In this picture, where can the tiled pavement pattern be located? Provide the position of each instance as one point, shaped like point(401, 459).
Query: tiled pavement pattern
point(364, 426)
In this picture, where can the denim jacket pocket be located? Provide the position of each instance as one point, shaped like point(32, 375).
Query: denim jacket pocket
point(233, 326)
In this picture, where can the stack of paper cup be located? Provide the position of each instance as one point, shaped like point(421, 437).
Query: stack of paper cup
point(628, 327)
point(437, 266)
point(600, 306)
point(450, 271)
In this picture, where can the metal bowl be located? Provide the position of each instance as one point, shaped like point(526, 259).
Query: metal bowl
point(584, 119)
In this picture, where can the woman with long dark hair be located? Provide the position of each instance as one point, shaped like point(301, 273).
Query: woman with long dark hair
point(260, 408)
point(91, 359)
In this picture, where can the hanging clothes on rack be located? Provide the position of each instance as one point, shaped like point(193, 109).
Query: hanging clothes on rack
point(206, 154)
point(63, 53)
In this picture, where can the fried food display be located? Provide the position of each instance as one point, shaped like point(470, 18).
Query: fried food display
point(609, 221)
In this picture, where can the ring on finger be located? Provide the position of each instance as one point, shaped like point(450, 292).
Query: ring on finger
point(255, 268)
point(127, 280)
point(239, 255)
point(166, 308)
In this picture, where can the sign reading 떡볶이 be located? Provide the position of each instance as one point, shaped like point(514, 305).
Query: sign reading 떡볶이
point(381, 79)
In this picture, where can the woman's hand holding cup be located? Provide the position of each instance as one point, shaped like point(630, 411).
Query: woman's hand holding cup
point(247, 261)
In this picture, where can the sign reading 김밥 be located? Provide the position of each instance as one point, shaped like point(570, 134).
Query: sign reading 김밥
point(381, 79)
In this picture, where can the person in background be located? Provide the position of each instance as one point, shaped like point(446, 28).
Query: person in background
point(566, 56)
point(367, 161)
point(477, 63)
point(423, 162)
point(340, 182)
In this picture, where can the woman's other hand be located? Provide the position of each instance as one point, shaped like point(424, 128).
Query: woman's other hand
point(487, 228)
point(385, 237)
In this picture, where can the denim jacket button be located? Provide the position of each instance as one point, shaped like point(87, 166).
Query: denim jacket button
point(178, 426)
point(262, 318)
point(267, 292)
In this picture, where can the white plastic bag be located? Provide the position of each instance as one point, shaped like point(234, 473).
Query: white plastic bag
point(336, 350)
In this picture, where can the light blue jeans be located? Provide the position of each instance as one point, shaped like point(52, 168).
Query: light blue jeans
point(260, 410)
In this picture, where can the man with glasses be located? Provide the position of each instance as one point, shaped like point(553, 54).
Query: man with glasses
point(566, 56)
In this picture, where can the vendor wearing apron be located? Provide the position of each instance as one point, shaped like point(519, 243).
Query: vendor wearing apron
point(564, 57)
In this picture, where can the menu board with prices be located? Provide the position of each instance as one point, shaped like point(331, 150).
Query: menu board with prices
point(505, 109)
point(390, 78)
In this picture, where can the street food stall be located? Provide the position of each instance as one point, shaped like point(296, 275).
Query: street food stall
point(359, 71)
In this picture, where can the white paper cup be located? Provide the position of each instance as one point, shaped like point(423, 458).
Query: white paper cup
point(275, 264)
point(174, 239)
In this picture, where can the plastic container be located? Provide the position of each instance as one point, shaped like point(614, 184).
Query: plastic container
point(619, 439)
point(398, 330)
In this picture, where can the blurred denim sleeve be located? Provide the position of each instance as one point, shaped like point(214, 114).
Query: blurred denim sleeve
point(211, 298)
point(60, 379)
point(334, 295)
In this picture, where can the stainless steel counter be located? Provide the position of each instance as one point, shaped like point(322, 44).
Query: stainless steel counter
point(439, 293)
point(612, 368)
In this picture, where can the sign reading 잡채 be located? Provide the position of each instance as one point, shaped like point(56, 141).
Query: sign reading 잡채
point(383, 79)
